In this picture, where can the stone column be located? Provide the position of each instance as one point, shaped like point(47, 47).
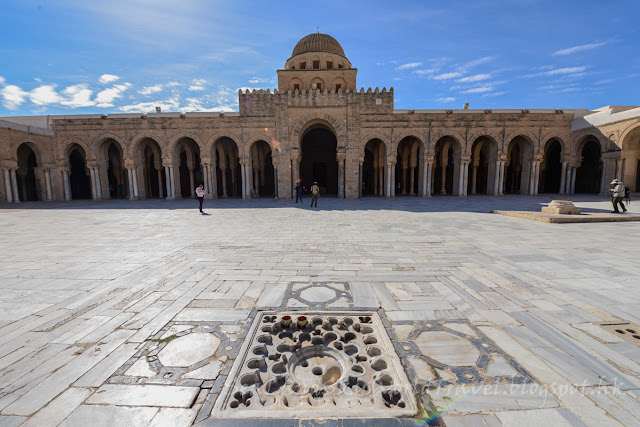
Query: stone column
point(474, 177)
point(380, 178)
point(403, 189)
point(412, 178)
point(160, 192)
point(67, 185)
point(7, 186)
point(387, 171)
point(461, 178)
point(130, 179)
point(393, 180)
point(134, 172)
point(243, 178)
point(341, 157)
point(496, 179)
point(47, 182)
point(563, 177)
point(429, 178)
point(173, 182)
point(234, 184)
point(465, 185)
point(536, 182)
point(214, 180)
point(94, 183)
point(501, 180)
point(573, 180)
point(167, 183)
point(257, 178)
point(224, 181)
point(207, 183)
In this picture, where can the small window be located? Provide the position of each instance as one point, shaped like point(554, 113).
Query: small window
point(338, 87)
point(303, 65)
point(329, 64)
point(296, 86)
point(316, 65)
point(319, 86)
point(339, 65)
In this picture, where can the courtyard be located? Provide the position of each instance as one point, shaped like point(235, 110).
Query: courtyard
point(135, 312)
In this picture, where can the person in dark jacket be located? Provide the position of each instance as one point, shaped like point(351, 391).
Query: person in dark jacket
point(298, 192)
point(618, 194)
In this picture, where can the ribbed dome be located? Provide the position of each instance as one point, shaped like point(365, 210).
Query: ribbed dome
point(318, 42)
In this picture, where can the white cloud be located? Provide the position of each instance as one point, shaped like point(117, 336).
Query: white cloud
point(256, 80)
point(580, 48)
point(150, 107)
point(476, 62)
point(493, 94)
point(475, 78)
point(77, 96)
point(172, 84)
point(106, 97)
point(44, 95)
point(563, 72)
point(446, 76)
point(150, 89)
point(108, 78)
point(409, 66)
point(198, 85)
point(447, 99)
point(2, 81)
point(481, 89)
point(13, 96)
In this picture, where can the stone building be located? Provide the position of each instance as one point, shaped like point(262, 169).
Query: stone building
point(318, 126)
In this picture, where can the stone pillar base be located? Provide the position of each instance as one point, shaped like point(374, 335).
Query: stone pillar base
point(562, 207)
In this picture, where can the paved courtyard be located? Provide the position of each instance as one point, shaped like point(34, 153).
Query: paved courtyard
point(133, 312)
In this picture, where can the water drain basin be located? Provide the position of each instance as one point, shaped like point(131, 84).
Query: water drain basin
point(316, 364)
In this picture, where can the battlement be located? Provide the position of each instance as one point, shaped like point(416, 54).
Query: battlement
point(263, 102)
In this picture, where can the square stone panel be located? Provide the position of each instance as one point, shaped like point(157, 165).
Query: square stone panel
point(316, 364)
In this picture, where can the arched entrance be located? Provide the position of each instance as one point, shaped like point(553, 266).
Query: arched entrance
point(28, 185)
point(407, 170)
point(589, 172)
point(116, 172)
point(149, 155)
point(228, 172)
point(552, 167)
point(631, 153)
point(190, 170)
point(484, 153)
point(319, 162)
point(262, 168)
point(519, 156)
point(447, 165)
point(79, 179)
point(373, 178)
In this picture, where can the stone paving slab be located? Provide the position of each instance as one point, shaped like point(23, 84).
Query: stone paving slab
point(74, 322)
point(566, 219)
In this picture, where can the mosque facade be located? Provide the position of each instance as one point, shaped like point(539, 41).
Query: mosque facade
point(318, 126)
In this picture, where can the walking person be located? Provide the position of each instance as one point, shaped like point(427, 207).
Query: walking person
point(200, 195)
point(298, 192)
point(618, 193)
point(315, 192)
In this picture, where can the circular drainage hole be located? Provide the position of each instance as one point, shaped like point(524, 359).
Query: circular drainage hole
point(316, 371)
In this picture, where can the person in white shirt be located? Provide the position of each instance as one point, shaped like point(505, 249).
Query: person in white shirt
point(200, 194)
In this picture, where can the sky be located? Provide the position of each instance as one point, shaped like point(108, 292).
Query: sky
point(129, 56)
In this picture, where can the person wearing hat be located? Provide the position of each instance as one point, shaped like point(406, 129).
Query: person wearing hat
point(618, 194)
point(315, 192)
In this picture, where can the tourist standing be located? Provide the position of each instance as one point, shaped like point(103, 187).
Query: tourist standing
point(618, 194)
point(200, 195)
point(315, 192)
point(298, 192)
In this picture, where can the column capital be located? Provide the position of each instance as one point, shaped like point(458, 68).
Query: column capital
point(129, 163)
point(341, 156)
point(167, 161)
point(205, 161)
point(295, 157)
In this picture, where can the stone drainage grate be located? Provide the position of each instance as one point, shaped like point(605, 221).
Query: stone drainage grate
point(316, 364)
point(627, 331)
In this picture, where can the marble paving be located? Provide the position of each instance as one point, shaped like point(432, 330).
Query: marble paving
point(132, 312)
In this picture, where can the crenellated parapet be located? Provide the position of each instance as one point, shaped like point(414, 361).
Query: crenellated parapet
point(264, 102)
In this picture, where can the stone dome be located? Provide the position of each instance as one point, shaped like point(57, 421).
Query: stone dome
point(318, 42)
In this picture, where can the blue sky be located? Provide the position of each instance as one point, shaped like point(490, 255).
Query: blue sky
point(80, 57)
